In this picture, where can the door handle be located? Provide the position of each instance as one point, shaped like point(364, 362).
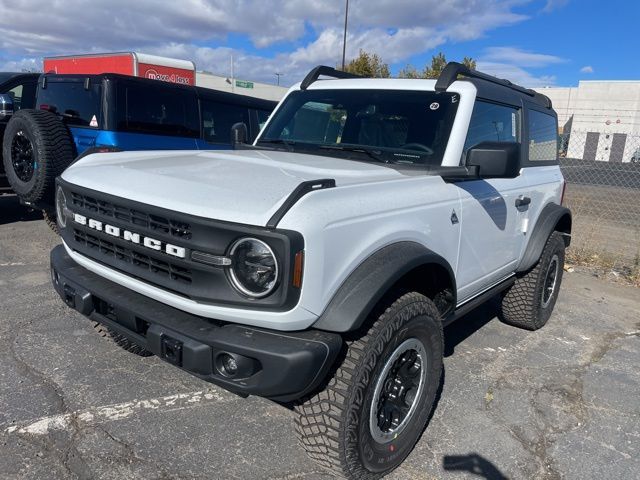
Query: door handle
point(521, 202)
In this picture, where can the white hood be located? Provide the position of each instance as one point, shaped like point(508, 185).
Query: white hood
point(244, 186)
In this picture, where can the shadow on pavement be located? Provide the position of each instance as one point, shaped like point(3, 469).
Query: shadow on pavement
point(473, 463)
point(12, 211)
point(466, 326)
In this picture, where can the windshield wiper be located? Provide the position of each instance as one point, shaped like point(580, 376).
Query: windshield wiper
point(374, 154)
point(279, 141)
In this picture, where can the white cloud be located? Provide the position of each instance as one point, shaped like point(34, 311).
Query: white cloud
point(304, 33)
point(516, 74)
point(514, 63)
point(552, 5)
point(586, 69)
point(522, 58)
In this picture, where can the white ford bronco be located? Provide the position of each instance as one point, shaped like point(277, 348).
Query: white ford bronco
point(318, 266)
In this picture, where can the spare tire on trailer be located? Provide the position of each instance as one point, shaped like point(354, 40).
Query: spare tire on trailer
point(36, 148)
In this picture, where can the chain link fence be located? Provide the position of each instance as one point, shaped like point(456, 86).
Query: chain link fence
point(602, 170)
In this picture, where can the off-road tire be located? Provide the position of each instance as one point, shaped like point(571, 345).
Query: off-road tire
point(333, 424)
point(120, 340)
point(53, 151)
point(50, 220)
point(522, 304)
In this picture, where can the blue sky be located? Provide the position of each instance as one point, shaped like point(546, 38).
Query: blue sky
point(531, 42)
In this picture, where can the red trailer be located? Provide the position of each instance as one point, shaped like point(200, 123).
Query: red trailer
point(127, 63)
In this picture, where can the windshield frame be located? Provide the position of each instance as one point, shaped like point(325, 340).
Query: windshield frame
point(452, 153)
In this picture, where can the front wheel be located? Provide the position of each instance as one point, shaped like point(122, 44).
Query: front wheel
point(375, 407)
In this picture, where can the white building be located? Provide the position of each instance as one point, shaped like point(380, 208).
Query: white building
point(601, 118)
point(243, 87)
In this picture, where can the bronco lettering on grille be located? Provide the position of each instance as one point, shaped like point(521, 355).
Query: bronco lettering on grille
point(132, 237)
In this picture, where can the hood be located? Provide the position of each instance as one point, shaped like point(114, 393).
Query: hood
point(242, 186)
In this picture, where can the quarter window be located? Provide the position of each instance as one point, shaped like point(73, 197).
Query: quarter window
point(543, 137)
point(218, 118)
point(491, 122)
point(160, 110)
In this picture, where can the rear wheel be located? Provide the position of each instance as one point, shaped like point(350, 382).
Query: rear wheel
point(120, 340)
point(37, 147)
point(50, 220)
point(368, 418)
point(530, 300)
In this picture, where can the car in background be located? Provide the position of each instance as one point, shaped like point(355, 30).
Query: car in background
point(49, 120)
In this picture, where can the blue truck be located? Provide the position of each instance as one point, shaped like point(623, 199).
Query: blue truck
point(49, 120)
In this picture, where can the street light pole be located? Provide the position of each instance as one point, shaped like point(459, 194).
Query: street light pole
point(344, 40)
point(278, 75)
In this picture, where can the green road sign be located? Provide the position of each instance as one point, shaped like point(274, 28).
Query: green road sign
point(244, 84)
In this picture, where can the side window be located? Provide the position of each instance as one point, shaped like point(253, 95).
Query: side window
point(24, 96)
point(543, 137)
point(158, 110)
point(263, 116)
point(491, 122)
point(218, 118)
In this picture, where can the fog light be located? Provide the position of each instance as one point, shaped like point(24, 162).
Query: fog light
point(229, 364)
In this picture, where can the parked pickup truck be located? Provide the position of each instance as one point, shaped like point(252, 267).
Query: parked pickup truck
point(60, 117)
point(320, 264)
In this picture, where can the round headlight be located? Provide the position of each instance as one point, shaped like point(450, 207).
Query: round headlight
point(61, 207)
point(254, 271)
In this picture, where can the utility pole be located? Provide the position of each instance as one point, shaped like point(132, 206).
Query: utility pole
point(344, 40)
point(278, 75)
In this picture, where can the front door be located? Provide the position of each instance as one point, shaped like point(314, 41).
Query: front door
point(493, 215)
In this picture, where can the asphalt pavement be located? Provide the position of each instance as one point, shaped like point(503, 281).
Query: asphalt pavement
point(562, 402)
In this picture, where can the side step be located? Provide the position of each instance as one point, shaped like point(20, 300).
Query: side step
point(479, 300)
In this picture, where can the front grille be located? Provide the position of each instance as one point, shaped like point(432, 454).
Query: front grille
point(134, 258)
point(168, 226)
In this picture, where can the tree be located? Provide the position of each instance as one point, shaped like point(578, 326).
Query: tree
point(409, 72)
point(368, 65)
point(438, 62)
point(469, 62)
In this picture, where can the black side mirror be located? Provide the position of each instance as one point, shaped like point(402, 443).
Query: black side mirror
point(6, 106)
point(239, 134)
point(495, 159)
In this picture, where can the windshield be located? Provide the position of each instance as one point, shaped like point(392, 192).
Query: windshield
point(390, 126)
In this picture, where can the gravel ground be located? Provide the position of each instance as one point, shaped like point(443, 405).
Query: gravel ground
point(562, 402)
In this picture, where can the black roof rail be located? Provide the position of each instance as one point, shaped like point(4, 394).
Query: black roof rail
point(313, 75)
point(453, 69)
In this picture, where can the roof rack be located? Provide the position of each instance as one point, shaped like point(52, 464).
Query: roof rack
point(453, 69)
point(313, 75)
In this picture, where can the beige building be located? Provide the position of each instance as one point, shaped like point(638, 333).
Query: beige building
point(243, 87)
point(601, 119)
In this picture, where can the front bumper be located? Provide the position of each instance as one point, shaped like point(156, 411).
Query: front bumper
point(279, 365)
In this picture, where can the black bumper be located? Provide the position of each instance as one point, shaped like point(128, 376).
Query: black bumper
point(278, 365)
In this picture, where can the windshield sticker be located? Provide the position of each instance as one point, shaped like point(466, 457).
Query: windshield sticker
point(434, 106)
point(513, 124)
point(93, 122)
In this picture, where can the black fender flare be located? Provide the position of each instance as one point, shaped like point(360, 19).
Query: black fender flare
point(368, 283)
point(551, 217)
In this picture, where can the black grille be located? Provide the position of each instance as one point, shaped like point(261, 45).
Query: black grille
point(131, 216)
point(137, 259)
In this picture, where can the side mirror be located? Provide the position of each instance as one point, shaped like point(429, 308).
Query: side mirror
point(495, 159)
point(6, 106)
point(239, 134)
